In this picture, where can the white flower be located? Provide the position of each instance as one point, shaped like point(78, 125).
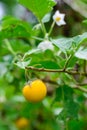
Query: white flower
point(59, 18)
point(45, 45)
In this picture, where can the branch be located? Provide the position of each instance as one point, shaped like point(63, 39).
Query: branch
point(82, 84)
point(77, 86)
point(56, 71)
point(50, 81)
point(84, 66)
point(80, 88)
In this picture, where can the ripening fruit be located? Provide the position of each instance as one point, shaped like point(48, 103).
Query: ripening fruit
point(22, 122)
point(35, 91)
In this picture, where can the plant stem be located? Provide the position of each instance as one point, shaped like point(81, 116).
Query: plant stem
point(43, 27)
point(56, 70)
point(80, 88)
point(82, 84)
point(67, 62)
point(37, 38)
point(84, 67)
point(26, 75)
point(9, 46)
point(52, 26)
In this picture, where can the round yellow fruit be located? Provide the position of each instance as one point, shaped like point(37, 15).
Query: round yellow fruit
point(22, 122)
point(35, 91)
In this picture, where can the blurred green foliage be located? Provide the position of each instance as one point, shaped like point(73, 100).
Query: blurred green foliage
point(64, 108)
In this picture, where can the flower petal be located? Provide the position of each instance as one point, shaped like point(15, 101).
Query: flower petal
point(59, 18)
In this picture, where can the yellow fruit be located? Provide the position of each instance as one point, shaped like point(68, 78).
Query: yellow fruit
point(22, 122)
point(35, 91)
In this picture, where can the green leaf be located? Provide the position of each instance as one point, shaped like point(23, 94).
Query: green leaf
point(81, 53)
point(67, 44)
point(70, 110)
point(85, 22)
point(30, 52)
point(75, 124)
point(70, 107)
point(63, 44)
point(82, 37)
point(43, 59)
point(46, 18)
point(49, 64)
point(13, 28)
point(3, 127)
point(63, 92)
point(58, 96)
point(39, 8)
point(72, 62)
point(23, 64)
point(16, 44)
point(85, 1)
